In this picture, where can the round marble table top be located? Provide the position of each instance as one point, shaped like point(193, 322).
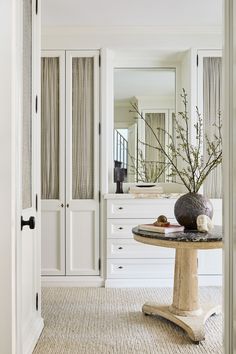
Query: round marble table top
point(182, 239)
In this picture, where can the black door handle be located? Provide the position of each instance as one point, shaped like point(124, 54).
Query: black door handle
point(30, 222)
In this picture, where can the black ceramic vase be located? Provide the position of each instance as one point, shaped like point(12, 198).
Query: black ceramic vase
point(189, 206)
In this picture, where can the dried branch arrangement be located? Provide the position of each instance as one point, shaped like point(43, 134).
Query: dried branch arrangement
point(193, 169)
point(146, 171)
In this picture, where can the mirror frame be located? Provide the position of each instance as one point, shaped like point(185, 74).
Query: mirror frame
point(113, 58)
point(151, 63)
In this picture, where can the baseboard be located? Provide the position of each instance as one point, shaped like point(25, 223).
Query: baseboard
point(97, 282)
point(72, 281)
point(212, 280)
point(138, 283)
point(32, 335)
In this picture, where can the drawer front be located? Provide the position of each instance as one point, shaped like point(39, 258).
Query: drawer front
point(210, 262)
point(129, 248)
point(122, 228)
point(140, 268)
point(151, 209)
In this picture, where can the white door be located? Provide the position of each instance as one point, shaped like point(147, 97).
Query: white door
point(53, 162)
point(29, 322)
point(82, 168)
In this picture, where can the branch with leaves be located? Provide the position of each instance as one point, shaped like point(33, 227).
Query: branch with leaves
point(146, 170)
point(193, 170)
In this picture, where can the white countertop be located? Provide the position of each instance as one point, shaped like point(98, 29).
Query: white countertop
point(141, 196)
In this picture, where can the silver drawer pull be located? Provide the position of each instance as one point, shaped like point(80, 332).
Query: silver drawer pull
point(120, 228)
point(120, 208)
point(120, 267)
point(120, 248)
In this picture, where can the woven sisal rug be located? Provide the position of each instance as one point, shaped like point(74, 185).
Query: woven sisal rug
point(110, 321)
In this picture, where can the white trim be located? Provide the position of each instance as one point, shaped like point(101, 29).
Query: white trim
point(129, 62)
point(105, 75)
point(32, 334)
point(17, 137)
point(10, 87)
point(214, 280)
point(229, 178)
point(174, 30)
point(72, 281)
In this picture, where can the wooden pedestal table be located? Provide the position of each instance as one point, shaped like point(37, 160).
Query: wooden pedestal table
point(185, 310)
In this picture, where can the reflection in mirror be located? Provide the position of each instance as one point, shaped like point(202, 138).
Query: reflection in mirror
point(153, 91)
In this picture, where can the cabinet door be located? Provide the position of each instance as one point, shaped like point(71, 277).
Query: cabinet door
point(53, 162)
point(82, 169)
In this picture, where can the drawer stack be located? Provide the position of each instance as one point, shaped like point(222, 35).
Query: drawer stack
point(127, 258)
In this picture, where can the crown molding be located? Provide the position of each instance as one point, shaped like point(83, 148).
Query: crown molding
point(171, 30)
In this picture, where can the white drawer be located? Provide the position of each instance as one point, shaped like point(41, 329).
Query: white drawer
point(122, 228)
point(210, 262)
point(140, 208)
point(129, 248)
point(140, 268)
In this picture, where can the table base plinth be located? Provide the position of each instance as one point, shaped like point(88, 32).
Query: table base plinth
point(192, 324)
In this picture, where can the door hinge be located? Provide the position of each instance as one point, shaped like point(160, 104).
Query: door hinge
point(99, 128)
point(99, 196)
point(197, 59)
point(37, 302)
point(99, 264)
point(36, 202)
point(36, 7)
point(99, 60)
point(36, 104)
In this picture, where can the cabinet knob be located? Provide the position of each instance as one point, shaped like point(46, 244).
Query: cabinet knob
point(62, 205)
point(120, 267)
point(120, 208)
point(120, 228)
point(67, 205)
point(120, 248)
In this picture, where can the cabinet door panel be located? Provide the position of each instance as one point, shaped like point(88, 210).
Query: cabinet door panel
point(53, 239)
point(53, 162)
point(82, 163)
point(82, 255)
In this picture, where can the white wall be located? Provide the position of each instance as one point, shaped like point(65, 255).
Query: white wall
point(130, 38)
point(123, 118)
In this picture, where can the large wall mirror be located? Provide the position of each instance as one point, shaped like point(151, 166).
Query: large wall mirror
point(153, 91)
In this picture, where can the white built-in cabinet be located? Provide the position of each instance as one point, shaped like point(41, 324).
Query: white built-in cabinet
point(131, 263)
point(70, 163)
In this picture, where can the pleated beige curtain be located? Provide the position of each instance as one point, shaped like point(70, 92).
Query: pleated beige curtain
point(155, 120)
point(82, 128)
point(212, 104)
point(50, 128)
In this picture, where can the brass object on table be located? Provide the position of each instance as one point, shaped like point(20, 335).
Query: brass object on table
point(161, 221)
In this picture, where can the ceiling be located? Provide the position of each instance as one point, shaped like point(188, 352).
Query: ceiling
point(143, 82)
point(106, 13)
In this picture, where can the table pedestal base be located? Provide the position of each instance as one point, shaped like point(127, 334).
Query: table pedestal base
point(193, 324)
